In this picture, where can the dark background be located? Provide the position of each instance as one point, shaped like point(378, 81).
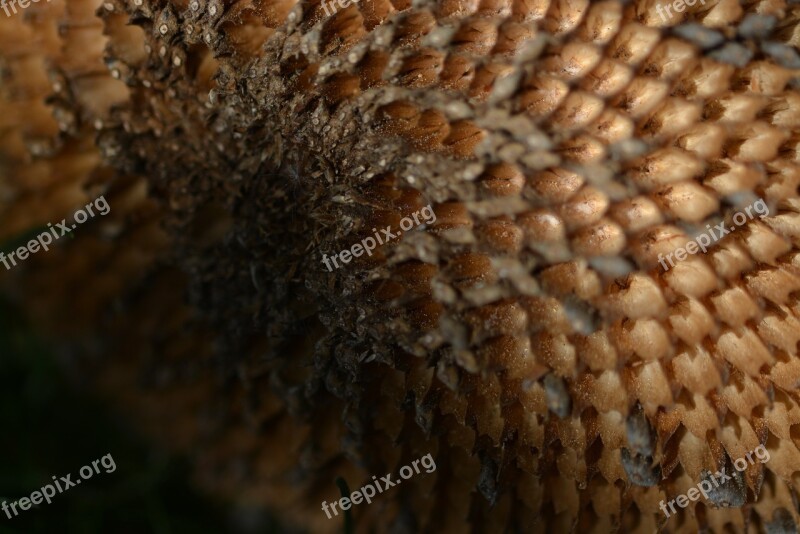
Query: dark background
point(48, 427)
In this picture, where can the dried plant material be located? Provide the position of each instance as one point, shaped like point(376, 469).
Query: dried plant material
point(528, 338)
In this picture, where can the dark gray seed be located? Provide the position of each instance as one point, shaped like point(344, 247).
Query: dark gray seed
point(557, 396)
point(783, 54)
point(730, 493)
point(756, 26)
point(782, 523)
point(581, 316)
point(733, 54)
point(698, 34)
point(487, 483)
point(640, 469)
point(640, 435)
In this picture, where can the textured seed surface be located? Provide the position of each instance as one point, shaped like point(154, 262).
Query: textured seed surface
point(529, 339)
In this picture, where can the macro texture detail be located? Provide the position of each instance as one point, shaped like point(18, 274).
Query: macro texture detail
point(542, 339)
